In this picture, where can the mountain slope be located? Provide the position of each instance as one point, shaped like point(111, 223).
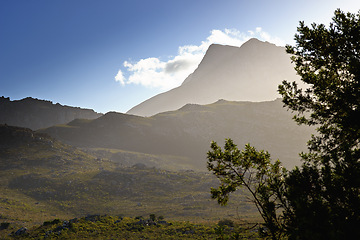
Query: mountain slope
point(251, 72)
point(35, 114)
point(188, 131)
point(42, 179)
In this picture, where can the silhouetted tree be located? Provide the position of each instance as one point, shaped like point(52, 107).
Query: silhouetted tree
point(320, 199)
point(324, 194)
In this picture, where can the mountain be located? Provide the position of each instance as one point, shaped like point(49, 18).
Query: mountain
point(251, 72)
point(35, 114)
point(187, 132)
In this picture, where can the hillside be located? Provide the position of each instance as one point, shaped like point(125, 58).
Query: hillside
point(35, 114)
point(42, 179)
point(187, 132)
point(251, 72)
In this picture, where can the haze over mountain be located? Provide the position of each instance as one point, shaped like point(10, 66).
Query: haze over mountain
point(35, 114)
point(187, 132)
point(251, 72)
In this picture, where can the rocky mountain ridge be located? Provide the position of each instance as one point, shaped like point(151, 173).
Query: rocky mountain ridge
point(35, 114)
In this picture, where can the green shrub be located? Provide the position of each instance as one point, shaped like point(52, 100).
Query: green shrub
point(53, 222)
point(226, 222)
point(152, 217)
point(4, 225)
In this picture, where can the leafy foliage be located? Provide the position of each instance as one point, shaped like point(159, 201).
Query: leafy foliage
point(328, 61)
point(253, 170)
point(324, 192)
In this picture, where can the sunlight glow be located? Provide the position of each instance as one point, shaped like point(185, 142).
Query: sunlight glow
point(156, 73)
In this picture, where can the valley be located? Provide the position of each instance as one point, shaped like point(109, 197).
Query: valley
point(42, 179)
point(60, 162)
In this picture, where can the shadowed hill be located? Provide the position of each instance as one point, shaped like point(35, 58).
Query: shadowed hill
point(21, 148)
point(251, 72)
point(35, 114)
point(188, 131)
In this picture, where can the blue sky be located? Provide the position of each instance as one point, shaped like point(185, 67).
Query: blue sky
point(110, 55)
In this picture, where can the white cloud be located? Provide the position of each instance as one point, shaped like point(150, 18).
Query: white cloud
point(266, 37)
point(155, 73)
point(120, 77)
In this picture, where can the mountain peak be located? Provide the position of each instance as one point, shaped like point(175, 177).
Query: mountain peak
point(255, 45)
point(253, 40)
point(216, 46)
point(251, 72)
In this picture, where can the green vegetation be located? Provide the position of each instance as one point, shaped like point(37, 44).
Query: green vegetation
point(131, 191)
point(320, 199)
point(117, 227)
point(328, 60)
point(128, 159)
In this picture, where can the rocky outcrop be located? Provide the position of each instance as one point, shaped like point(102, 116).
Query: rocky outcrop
point(20, 231)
